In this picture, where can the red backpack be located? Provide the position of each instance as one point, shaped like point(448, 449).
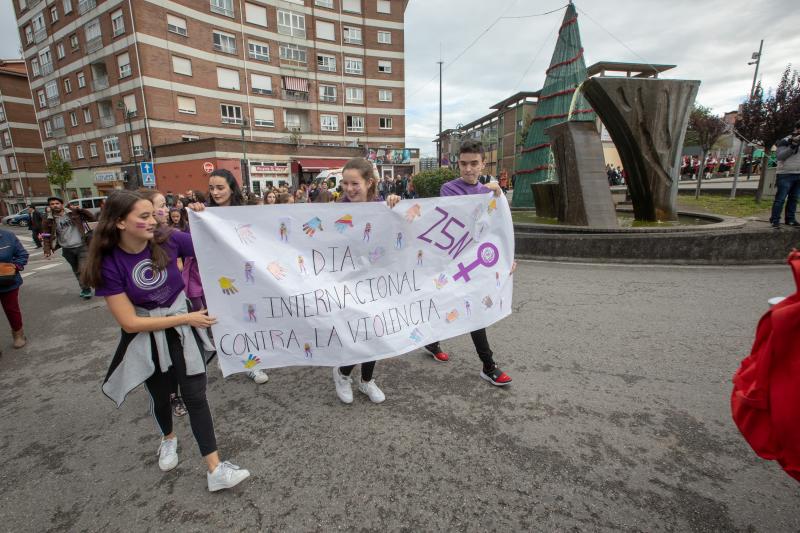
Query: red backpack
point(766, 387)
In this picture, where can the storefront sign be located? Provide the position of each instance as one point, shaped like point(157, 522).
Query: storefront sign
point(264, 169)
point(104, 177)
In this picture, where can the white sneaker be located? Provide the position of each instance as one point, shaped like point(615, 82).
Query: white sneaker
point(226, 476)
point(259, 376)
point(344, 389)
point(168, 454)
point(370, 388)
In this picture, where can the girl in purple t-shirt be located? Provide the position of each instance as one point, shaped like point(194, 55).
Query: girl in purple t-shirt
point(137, 273)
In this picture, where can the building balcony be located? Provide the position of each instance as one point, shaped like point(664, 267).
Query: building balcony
point(53, 101)
point(225, 48)
point(32, 3)
point(95, 44)
point(295, 96)
point(59, 132)
point(100, 83)
point(46, 68)
point(86, 5)
point(328, 99)
point(111, 158)
point(40, 35)
point(107, 121)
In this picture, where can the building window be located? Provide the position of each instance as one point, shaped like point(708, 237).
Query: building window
point(93, 35)
point(354, 95)
point(39, 28)
point(93, 149)
point(79, 151)
point(264, 117)
point(111, 149)
point(352, 35)
point(67, 85)
point(176, 25)
point(355, 124)
point(326, 30)
point(227, 79)
point(261, 84)
point(385, 67)
point(385, 123)
point(12, 162)
point(231, 114)
point(6, 139)
point(138, 148)
point(329, 122)
point(42, 99)
point(384, 37)
point(73, 41)
point(117, 23)
point(224, 42)
point(326, 63)
point(324, 3)
point(189, 138)
point(223, 7)
point(2, 114)
point(63, 151)
point(129, 100)
point(46, 61)
point(87, 115)
point(384, 95)
point(292, 121)
point(51, 90)
point(187, 105)
point(255, 14)
point(291, 23)
point(35, 67)
point(60, 53)
point(58, 122)
point(48, 128)
point(353, 6)
point(28, 34)
point(384, 6)
point(353, 65)
point(181, 65)
point(258, 51)
point(67, 6)
point(293, 52)
point(81, 80)
point(54, 14)
point(73, 119)
point(327, 93)
point(124, 63)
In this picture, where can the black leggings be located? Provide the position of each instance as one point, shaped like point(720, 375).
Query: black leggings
point(366, 370)
point(481, 346)
point(193, 389)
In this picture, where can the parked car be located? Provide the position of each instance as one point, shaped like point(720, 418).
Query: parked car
point(23, 218)
point(93, 204)
point(7, 219)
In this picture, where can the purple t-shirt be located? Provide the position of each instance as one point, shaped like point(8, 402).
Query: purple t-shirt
point(459, 187)
point(134, 274)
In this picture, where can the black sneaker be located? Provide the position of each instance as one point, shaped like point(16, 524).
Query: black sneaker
point(776, 225)
point(793, 224)
point(86, 294)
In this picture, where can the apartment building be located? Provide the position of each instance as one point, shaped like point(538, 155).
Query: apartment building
point(113, 79)
point(23, 179)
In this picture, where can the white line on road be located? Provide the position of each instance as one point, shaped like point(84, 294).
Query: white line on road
point(26, 274)
point(46, 267)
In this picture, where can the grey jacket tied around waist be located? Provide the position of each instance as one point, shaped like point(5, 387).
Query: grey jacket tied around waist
point(137, 364)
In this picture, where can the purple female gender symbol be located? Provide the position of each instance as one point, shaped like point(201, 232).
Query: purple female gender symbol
point(488, 255)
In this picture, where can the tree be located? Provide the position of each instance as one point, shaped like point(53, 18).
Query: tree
point(428, 182)
point(767, 120)
point(59, 172)
point(705, 129)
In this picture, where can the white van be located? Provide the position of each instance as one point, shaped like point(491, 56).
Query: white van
point(92, 204)
point(334, 174)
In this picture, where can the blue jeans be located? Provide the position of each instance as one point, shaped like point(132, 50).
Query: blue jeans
point(788, 186)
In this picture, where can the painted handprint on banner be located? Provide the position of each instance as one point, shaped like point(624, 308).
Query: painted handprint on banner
point(227, 286)
point(277, 270)
point(416, 335)
point(245, 233)
point(343, 223)
point(376, 254)
point(251, 361)
point(413, 212)
point(312, 226)
point(492, 206)
point(452, 316)
point(487, 301)
point(441, 281)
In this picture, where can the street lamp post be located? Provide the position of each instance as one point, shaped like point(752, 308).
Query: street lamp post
point(756, 57)
point(129, 127)
point(245, 165)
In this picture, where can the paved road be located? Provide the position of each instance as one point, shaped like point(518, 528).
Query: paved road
point(617, 419)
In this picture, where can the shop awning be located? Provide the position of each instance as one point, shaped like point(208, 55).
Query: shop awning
point(312, 165)
point(291, 83)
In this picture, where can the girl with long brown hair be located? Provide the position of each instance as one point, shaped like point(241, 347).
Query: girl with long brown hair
point(137, 273)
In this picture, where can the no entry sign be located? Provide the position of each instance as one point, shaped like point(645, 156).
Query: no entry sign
point(208, 167)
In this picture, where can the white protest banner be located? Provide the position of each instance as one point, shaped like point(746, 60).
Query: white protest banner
point(342, 283)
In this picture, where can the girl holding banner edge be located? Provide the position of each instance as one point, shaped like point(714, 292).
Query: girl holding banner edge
point(137, 273)
point(359, 184)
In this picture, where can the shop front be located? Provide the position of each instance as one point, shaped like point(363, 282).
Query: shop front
point(307, 168)
point(267, 174)
point(107, 180)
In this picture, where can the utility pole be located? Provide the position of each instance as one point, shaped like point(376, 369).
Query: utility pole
point(439, 144)
point(245, 166)
point(129, 127)
point(756, 57)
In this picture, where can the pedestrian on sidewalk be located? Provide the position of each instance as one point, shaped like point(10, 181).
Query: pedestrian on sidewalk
point(788, 179)
point(69, 230)
point(35, 225)
point(136, 270)
point(13, 258)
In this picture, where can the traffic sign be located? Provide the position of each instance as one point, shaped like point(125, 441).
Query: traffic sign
point(148, 174)
point(208, 167)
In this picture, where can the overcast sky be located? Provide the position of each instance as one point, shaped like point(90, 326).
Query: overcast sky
point(708, 40)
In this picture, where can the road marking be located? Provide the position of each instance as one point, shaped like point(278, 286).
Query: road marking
point(46, 267)
point(26, 274)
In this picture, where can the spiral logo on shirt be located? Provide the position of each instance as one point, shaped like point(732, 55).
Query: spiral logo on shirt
point(146, 277)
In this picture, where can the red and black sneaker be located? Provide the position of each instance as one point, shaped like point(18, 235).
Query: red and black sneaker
point(437, 353)
point(496, 377)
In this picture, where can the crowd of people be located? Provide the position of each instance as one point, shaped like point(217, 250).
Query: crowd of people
point(139, 256)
